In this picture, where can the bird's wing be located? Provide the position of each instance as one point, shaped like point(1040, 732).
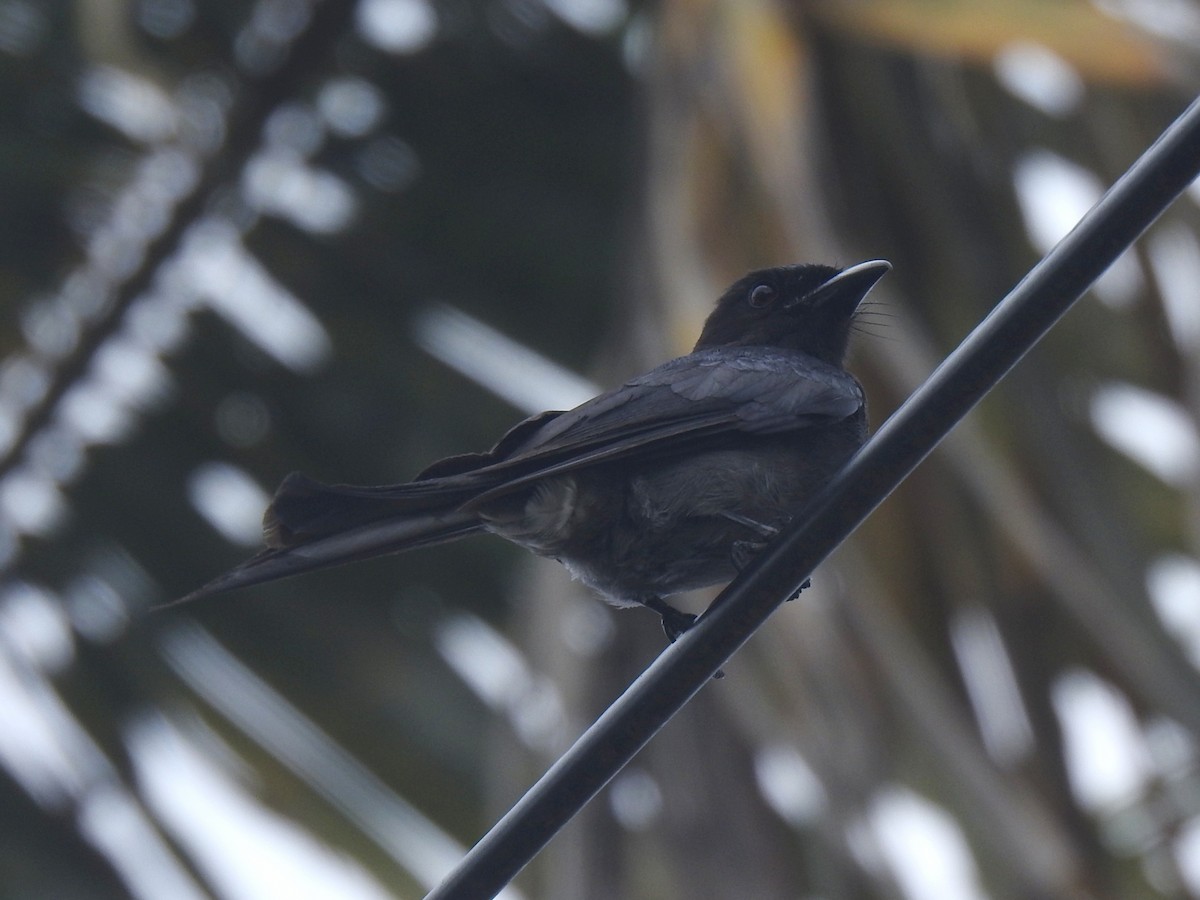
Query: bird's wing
point(715, 392)
point(701, 397)
point(469, 462)
point(304, 508)
point(757, 390)
point(719, 391)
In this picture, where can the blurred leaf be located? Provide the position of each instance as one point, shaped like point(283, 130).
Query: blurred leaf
point(1102, 48)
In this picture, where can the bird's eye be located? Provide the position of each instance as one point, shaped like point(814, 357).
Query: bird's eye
point(761, 296)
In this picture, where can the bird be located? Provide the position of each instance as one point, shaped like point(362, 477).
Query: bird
point(671, 482)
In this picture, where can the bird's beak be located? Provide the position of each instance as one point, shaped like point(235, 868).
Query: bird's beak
point(845, 290)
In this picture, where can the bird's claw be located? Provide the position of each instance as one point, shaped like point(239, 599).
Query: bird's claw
point(804, 587)
point(762, 529)
point(675, 622)
point(743, 551)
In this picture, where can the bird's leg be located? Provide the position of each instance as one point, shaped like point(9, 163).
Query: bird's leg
point(674, 622)
point(760, 528)
point(744, 551)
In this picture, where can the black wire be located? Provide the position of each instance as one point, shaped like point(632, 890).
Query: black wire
point(974, 367)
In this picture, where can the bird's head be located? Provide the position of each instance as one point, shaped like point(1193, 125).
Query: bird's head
point(801, 307)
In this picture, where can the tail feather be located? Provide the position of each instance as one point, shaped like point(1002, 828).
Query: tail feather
point(373, 539)
point(303, 509)
point(313, 526)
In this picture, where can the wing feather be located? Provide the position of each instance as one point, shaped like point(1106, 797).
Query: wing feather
point(703, 396)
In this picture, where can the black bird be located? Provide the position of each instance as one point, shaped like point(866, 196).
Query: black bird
point(667, 483)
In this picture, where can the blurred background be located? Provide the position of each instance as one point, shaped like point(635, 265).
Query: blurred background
point(240, 239)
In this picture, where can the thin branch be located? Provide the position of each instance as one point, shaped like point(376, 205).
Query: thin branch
point(993, 348)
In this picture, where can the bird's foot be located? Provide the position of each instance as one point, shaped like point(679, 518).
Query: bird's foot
point(674, 622)
point(804, 587)
point(743, 551)
point(762, 529)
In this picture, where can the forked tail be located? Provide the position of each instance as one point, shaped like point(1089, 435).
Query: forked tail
point(312, 526)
